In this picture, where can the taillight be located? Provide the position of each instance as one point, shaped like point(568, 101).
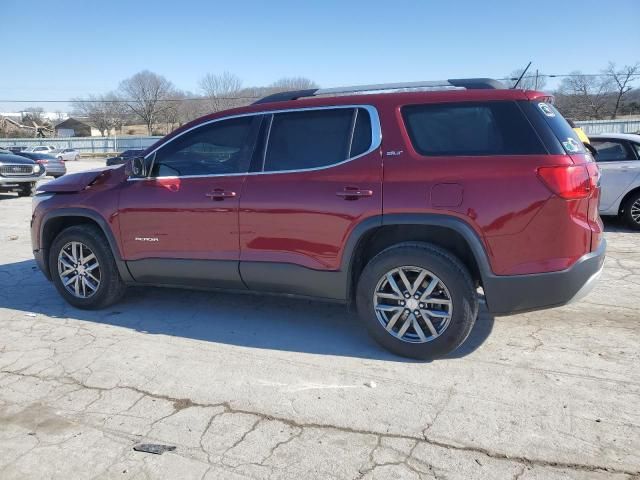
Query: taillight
point(570, 182)
point(42, 161)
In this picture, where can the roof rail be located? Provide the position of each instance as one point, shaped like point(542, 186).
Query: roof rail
point(467, 83)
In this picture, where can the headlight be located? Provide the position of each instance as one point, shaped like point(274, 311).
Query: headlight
point(36, 168)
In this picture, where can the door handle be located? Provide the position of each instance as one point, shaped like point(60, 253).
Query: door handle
point(353, 193)
point(219, 194)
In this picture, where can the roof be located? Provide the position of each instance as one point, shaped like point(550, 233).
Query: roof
point(382, 101)
point(71, 121)
point(620, 136)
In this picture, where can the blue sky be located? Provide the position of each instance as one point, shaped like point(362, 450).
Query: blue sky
point(68, 48)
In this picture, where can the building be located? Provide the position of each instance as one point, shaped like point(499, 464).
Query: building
point(77, 127)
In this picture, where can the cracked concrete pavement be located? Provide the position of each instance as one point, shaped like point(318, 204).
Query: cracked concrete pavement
point(250, 387)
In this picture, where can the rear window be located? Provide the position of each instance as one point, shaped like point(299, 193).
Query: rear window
point(471, 129)
point(560, 128)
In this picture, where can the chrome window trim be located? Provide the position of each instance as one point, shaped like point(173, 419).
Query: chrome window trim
point(376, 141)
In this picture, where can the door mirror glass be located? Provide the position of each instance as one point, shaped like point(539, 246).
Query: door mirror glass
point(137, 167)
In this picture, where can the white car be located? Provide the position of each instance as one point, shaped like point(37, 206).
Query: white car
point(41, 149)
point(65, 154)
point(619, 160)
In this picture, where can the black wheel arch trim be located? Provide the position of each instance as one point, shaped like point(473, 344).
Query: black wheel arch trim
point(99, 220)
point(433, 220)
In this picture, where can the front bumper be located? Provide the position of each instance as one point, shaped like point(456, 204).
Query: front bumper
point(520, 293)
point(12, 181)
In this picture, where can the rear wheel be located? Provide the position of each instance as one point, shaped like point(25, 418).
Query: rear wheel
point(631, 213)
point(83, 268)
point(27, 190)
point(417, 300)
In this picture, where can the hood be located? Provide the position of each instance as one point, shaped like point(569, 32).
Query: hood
point(75, 182)
point(11, 159)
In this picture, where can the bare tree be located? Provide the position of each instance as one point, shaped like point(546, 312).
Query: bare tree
point(585, 96)
point(146, 94)
point(222, 91)
point(531, 80)
point(105, 112)
point(621, 80)
point(293, 83)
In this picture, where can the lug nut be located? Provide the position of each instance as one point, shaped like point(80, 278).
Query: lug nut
point(416, 296)
point(416, 312)
point(402, 303)
point(422, 305)
point(406, 295)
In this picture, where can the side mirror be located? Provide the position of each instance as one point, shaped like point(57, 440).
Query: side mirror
point(136, 167)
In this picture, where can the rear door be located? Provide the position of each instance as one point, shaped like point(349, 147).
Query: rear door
point(619, 166)
point(318, 173)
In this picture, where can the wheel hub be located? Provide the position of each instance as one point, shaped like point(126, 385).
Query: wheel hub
point(413, 304)
point(79, 270)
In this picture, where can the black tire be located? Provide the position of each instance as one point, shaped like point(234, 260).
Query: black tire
point(634, 198)
point(27, 191)
point(111, 287)
point(451, 272)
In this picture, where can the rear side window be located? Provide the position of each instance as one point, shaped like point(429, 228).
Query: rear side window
point(561, 129)
point(471, 129)
point(316, 138)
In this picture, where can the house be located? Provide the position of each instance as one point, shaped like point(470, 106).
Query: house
point(77, 127)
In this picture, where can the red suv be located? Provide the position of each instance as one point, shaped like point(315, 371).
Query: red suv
point(411, 205)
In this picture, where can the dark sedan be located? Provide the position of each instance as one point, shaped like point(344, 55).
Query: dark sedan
point(123, 157)
point(54, 166)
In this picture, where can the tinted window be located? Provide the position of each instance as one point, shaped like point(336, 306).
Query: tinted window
point(560, 127)
point(493, 128)
point(213, 149)
point(308, 139)
point(611, 150)
point(361, 133)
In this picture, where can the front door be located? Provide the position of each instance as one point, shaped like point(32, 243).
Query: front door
point(180, 224)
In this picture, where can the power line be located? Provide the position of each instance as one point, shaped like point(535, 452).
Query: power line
point(76, 100)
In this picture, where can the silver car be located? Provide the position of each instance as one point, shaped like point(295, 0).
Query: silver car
point(619, 161)
point(65, 154)
point(41, 149)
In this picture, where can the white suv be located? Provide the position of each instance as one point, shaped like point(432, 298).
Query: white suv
point(619, 161)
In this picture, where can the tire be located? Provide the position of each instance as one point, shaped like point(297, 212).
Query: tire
point(110, 286)
point(631, 209)
point(27, 191)
point(455, 283)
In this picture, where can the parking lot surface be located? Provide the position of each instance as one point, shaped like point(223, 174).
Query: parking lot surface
point(263, 387)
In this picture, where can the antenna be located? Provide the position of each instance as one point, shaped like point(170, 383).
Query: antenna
point(521, 76)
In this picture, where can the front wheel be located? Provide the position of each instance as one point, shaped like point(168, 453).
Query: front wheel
point(417, 300)
point(27, 190)
point(631, 213)
point(83, 268)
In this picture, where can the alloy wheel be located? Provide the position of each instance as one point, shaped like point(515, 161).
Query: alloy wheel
point(635, 211)
point(413, 304)
point(79, 270)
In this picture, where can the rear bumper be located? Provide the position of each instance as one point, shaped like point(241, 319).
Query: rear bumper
point(520, 293)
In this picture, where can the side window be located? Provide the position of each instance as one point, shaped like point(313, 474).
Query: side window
point(637, 147)
point(217, 148)
point(471, 129)
point(316, 138)
point(612, 150)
